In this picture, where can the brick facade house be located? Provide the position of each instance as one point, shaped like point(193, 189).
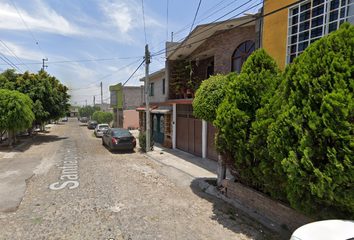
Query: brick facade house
point(160, 111)
point(214, 48)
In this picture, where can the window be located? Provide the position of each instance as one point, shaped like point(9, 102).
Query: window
point(163, 86)
point(242, 52)
point(311, 20)
point(151, 89)
point(210, 69)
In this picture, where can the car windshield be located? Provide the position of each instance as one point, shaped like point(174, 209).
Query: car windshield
point(93, 122)
point(123, 133)
point(103, 127)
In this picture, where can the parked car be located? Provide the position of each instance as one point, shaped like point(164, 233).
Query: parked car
point(118, 138)
point(92, 125)
point(83, 120)
point(100, 128)
point(325, 230)
point(65, 119)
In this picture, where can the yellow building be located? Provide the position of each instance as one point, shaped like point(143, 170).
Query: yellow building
point(288, 32)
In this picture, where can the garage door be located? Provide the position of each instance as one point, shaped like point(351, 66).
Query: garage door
point(189, 130)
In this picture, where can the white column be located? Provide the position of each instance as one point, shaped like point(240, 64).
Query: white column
point(174, 116)
point(204, 138)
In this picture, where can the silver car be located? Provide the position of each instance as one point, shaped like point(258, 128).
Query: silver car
point(100, 128)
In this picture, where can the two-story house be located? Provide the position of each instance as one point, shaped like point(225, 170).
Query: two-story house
point(220, 47)
point(124, 101)
point(288, 32)
point(161, 112)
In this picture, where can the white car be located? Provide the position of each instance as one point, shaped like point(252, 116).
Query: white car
point(325, 230)
point(100, 128)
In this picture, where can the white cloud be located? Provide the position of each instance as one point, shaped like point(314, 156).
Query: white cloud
point(43, 19)
point(20, 51)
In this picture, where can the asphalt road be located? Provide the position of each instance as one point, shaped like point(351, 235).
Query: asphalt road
point(66, 185)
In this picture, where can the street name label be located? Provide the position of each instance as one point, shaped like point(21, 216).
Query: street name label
point(69, 172)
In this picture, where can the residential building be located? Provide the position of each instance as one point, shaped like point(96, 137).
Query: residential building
point(73, 111)
point(104, 107)
point(160, 111)
point(220, 47)
point(124, 101)
point(288, 32)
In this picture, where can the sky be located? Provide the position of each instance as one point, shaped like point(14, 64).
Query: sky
point(88, 42)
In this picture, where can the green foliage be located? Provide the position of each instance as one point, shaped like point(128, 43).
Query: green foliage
point(49, 96)
point(105, 117)
point(142, 141)
point(245, 94)
point(15, 111)
point(86, 111)
point(95, 116)
point(312, 138)
point(208, 97)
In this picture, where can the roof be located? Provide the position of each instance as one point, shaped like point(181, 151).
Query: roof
point(203, 32)
point(163, 110)
point(154, 74)
point(142, 109)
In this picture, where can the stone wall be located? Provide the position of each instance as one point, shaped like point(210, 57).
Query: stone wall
point(265, 206)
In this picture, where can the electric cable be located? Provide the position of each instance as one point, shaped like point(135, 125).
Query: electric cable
point(10, 63)
point(238, 26)
point(197, 33)
point(9, 50)
point(37, 43)
point(195, 16)
point(142, 5)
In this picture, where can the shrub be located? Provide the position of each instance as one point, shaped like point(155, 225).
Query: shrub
point(245, 94)
point(142, 141)
point(312, 138)
point(208, 97)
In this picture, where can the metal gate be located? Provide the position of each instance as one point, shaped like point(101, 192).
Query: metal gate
point(189, 131)
point(158, 127)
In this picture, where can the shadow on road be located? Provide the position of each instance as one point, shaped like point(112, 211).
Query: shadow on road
point(232, 218)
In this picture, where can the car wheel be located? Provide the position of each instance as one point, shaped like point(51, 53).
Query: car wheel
point(109, 147)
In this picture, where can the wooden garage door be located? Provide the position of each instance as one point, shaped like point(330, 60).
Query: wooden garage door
point(189, 130)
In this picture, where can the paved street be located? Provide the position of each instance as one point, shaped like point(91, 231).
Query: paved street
point(77, 189)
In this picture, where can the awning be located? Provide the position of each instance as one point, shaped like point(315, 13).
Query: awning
point(143, 109)
point(162, 110)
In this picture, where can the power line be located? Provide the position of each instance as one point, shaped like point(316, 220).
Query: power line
point(85, 60)
point(142, 5)
point(8, 49)
point(29, 30)
point(105, 77)
point(197, 33)
point(8, 61)
point(238, 26)
point(195, 16)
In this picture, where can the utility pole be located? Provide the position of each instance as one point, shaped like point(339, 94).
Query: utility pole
point(44, 59)
point(94, 100)
point(86, 102)
point(147, 88)
point(101, 97)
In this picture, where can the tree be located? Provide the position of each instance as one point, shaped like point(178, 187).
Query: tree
point(49, 96)
point(312, 138)
point(15, 112)
point(209, 96)
point(105, 117)
point(245, 94)
point(86, 111)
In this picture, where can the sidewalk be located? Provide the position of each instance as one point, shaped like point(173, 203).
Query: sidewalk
point(185, 169)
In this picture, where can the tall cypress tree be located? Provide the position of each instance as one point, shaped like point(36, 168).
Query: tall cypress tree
point(312, 137)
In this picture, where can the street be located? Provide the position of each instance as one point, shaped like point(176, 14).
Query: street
point(79, 190)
